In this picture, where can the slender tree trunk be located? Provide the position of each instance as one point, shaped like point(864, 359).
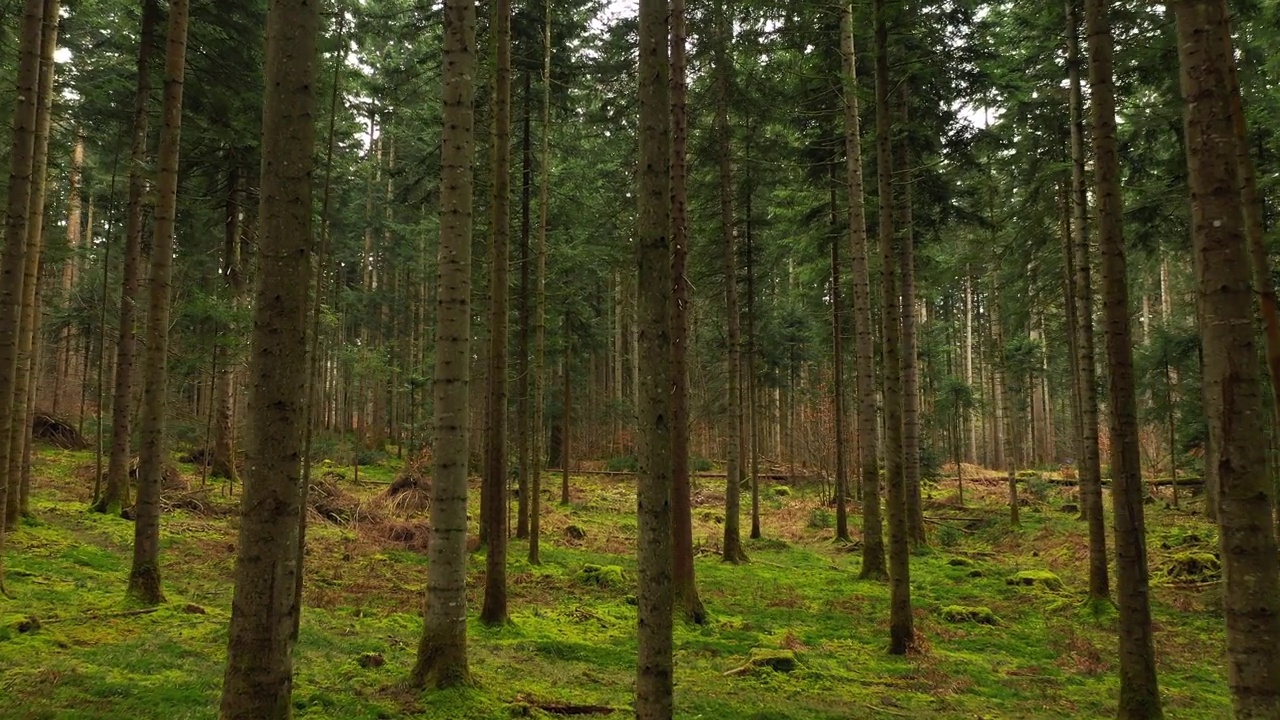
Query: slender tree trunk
point(144, 576)
point(540, 299)
point(21, 158)
point(24, 380)
point(442, 652)
point(567, 403)
point(971, 428)
point(752, 383)
point(522, 351)
point(837, 373)
point(873, 555)
point(910, 361)
point(494, 610)
point(732, 548)
point(75, 201)
point(259, 678)
point(223, 461)
point(654, 672)
point(1139, 693)
point(1237, 421)
point(685, 590)
point(1089, 464)
point(901, 633)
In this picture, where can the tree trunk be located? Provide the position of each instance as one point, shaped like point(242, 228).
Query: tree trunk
point(901, 633)
point(442, 652)
point(654, 673)
point(494, 609)
point(910, 361)
point(522, 351)
point(873, 557)
point(259, 675)
point(24, 380)
point(144, 576)
point(75, 201)
point(540, 299)
point(971, 429)
point(1236, 417)
point(837, 374)
point(1089, 465)
point(685, 590)
point(1139, 693)
point(21, 158)
point(732, 548)
point(223, 461)
point(565, 416)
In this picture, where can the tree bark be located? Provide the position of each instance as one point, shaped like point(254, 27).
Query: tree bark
point(685, 590)
point(901, 632)
point(732, 547)
point(223, 462)
point(144, 576)
point(1237, 421)
point(522, 350)
point(873, 555)
point(910, 360)
point(654, 672)
point(540, 299)
point(442, 652)
point(259, 677)
point(494, 609)
point(1139, 693)
point(1089, 464)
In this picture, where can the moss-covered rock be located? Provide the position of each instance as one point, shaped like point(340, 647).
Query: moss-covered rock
point(781, 491)
point(959, 562)
point(1193, 566)
point(610, 576)
point(575, 532)
point(964, 614)
point(1036, 578)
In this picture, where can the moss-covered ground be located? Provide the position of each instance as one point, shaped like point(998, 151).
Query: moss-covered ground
point(72, 647)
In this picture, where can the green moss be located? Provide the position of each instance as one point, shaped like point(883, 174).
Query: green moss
point(1036, 578)
point(781, 491)
point(610, 576)
point(959, 562)
point(963, 614)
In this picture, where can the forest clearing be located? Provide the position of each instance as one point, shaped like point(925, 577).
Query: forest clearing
point(571, 640)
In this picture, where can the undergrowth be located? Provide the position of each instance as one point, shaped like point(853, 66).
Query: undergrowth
point(72, 647)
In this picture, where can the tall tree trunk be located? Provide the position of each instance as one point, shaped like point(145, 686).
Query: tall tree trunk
point(565, 414)
point(259, 676)
point(1089, 464)
point(873, 557)
point(442, 652)
point(223, 461)
point(21, 158)
point(910, 360)
point(24, 380)
point(971, 428)
point(494, 609)
point(732, 547)
point(685, 590)
point(654, 673)
point(837, 373)
point(751, 369)
point(144, 576)
point(1219, 170)
point(540, 299)
point(901, 633)
point(75, 202)
point(1139, 693)
point(522, 351)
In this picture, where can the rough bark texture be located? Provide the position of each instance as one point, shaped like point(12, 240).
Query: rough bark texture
point(1088, 465)
point(24, 380)
point(1237, 420)
point(910, 362)
point(732, 547)
point(144, 575)
point(540, 299)
point(494, 609)
point(223, 462)
point(523, 323)
point(21, 155)
point(116, 492)
point(1139, 694)
point(901, 633)
point(259, 676)
point(442, 651)
point(837, 384)
point(685, 590)
point(873, 557)
point(654, 672)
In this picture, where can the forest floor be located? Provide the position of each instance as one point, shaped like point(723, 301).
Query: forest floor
point(72, 647)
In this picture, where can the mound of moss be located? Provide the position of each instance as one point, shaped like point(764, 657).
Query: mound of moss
point(1036, 578)
point(962, 614)
point(781, 491)
point(609, 576)
point(1193, 566)
point(783, 661)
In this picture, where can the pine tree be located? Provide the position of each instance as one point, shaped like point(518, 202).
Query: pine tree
point(442, 652)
